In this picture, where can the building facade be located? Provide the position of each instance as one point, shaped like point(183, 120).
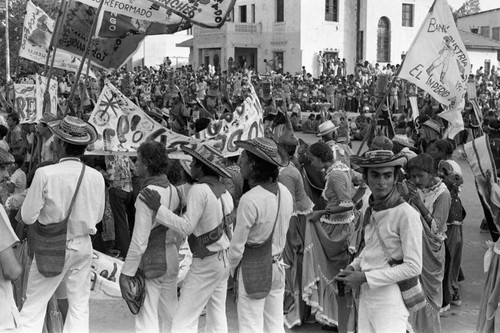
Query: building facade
point(481, 36)
point(289, 34)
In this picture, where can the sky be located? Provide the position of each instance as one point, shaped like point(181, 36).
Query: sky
point(483, 4)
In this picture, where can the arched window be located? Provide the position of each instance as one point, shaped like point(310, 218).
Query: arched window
point(384, 40)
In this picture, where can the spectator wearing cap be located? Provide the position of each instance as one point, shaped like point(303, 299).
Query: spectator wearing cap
point(46, 144)
point(327, 131)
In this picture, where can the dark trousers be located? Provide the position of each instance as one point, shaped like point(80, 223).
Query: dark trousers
point(122, 206)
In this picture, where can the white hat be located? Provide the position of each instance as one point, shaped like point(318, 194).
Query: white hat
point(326, 127)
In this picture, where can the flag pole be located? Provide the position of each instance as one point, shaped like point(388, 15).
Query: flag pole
point(48, 70)
point(7, 55)
point(373, 122)
point(87, 47)
point(55, 34)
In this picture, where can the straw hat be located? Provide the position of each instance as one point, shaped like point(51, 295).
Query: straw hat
point(266, 149)
point(6, 158)
point(73, 130)
point(209, 156)
point(402, 140)
point(432, 124)
point(379, 159)
point(326, 127)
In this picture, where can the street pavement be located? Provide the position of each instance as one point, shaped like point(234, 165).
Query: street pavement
point(114, 316)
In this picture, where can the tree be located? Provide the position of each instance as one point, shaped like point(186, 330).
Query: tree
point(17, 10)
point(468, 7)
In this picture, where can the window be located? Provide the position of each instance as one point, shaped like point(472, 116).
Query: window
point(243, 14)
point(407, 15)
point(253, 13)
point(280, 10)
point(384, 40)
point(495, 33)
point(485, 31)
point(331, 10)
point(474, 30)
point(487, 67)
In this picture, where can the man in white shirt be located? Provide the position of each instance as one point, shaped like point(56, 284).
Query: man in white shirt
point(207, 203)
point(393, 224)
point(48, 201)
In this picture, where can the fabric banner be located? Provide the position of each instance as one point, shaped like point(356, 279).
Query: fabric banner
point(25, 102)
point(414, 107)
point(122, 126)
point(38, 28)
point(437, 62)
point(205, 13)
point(41, 84)
point(109, 53)
point(244, 123)
point(112, 25)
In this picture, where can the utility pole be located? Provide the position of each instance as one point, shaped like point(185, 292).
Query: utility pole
point(7, 47)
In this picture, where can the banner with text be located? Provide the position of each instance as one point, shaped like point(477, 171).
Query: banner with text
point(37, 33)
point(122, 126)
point(205, 13)
point(437, 62)
point(244, 123)
point(109, 53)
point(25, 102)
point(112, 25)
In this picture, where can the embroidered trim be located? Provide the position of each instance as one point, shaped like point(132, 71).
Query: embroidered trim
point(343, 221)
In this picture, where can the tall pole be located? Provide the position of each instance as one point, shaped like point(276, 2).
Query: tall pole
point(7, 53)
point(87, 48)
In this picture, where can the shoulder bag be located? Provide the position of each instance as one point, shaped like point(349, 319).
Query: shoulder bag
point(411, 289)
point(49, 244)
point(257, 265)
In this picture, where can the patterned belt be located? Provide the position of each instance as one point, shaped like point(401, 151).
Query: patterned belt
point(455, 223)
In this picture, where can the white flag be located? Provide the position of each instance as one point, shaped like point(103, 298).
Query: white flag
point(437, 62)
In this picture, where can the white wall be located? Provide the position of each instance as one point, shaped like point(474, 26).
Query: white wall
point(156, 47)
point(478, 57)
point(401, 37)
point(318, 34)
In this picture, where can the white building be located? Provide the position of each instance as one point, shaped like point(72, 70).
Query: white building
point(292, 32)
point(481, 35)
point(155, 48)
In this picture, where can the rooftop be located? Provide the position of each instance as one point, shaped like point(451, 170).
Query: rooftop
point(476, 41)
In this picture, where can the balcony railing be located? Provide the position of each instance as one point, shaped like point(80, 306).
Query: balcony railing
point(231, 27)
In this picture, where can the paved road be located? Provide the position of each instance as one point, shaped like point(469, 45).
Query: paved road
point(113, 316)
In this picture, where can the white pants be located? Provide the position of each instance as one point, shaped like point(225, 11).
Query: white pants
point(266, 314)
point(205, 285)
point(160, 304)
point(382, 310)
point(76, 279)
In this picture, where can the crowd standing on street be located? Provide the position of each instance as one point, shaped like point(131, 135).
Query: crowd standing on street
point(298, 233)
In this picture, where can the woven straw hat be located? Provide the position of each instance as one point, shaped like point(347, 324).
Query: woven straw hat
point(326, 127)
point(266, 149)
point(6, 158)
point(402, 140)
point(209, 156)
point(379, 159)
point(73, 130)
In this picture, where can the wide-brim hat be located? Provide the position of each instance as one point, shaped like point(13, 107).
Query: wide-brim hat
point(402, 140)
point(326, 127)
point(73, 130)
point(379, 159)
point(431, 123)
point(266, 149)
point(209, 156)
point(6, 158)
